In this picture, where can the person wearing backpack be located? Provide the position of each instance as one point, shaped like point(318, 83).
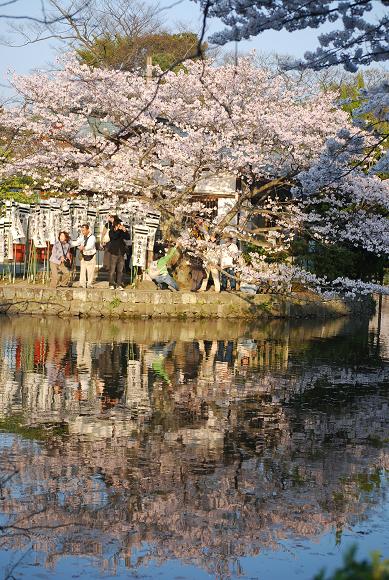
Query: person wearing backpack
point(86, 243)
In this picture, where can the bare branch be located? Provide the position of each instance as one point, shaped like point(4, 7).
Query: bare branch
point(44, 18)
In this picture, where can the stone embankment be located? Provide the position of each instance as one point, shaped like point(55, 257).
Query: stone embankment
point(102, 302)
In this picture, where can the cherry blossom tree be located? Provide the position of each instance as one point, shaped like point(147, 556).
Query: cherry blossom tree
point(115, 132)
point(361, 39)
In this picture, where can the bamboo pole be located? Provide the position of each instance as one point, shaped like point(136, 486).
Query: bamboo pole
point(14, 264)
point(26, 249)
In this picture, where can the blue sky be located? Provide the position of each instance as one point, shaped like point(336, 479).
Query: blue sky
point(185, 12)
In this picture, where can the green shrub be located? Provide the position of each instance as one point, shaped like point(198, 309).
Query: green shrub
point(334, 261)
point(18, 189)
point(373, 569)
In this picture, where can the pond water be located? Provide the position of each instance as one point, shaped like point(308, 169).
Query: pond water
point(207, 449)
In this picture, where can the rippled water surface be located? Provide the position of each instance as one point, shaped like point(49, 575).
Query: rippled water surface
point(209, 449)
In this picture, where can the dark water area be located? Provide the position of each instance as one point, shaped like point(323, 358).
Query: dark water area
point(206, 449)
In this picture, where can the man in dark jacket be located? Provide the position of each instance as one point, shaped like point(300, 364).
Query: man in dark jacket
point(117, 250)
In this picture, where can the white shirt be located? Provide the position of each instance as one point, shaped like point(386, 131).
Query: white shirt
point(212, 257)
point(90, 246)
point(229, 254)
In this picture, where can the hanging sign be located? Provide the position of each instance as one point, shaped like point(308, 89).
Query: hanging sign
point(8, 240)
point(152, 222)
point(24, 214)
point(41, 222)
point(2, 241)
point(139, 245)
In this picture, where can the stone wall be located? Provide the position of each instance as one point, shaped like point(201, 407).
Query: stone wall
point(102, 302)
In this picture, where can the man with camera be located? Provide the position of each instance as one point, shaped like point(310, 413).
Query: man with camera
point(86, 242)
point(117, 249)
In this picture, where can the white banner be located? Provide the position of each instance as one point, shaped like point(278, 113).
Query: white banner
point(7, 240)
point(41, 223)
point(2, 241)
point(152, 222)
point(224, 184)
point(139, 246)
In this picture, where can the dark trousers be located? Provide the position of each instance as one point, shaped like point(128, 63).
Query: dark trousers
point(224, 352)
point(107, 260)
point(226, 278)
point(116, 266)
point(198, 276)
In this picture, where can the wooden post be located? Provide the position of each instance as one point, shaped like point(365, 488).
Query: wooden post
point(149, 68)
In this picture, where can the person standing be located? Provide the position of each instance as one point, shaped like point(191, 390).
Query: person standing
point(211, 265)
point(228, 255)
point(86, 243)
point(105, 239)
point(117, 250)
point(60, 261)
point(197, 272)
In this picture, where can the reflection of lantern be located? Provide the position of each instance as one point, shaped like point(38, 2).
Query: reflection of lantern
point(39, 351)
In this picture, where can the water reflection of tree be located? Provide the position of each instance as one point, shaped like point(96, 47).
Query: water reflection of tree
point(186, 501)
point(207, 449)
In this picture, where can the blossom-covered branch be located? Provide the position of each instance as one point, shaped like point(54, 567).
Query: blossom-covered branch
point(359, 40)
